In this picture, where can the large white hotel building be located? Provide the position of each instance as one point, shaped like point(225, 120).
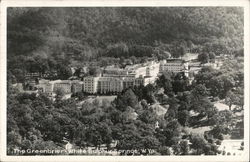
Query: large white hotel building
point(113, 80)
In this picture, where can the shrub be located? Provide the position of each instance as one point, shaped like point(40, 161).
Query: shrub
point(218, 142)
point(210, 140)
point(220, 137)
point(164, 150)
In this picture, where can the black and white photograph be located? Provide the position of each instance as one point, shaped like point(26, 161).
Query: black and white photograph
point(125, 81)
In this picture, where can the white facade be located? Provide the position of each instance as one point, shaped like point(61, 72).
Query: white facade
point(64, 85)
point(90, 84)
point(109, 85)
point(172, 65)
point(146, 69)
point(45, 86)
point(77, 86)
point(128, 82)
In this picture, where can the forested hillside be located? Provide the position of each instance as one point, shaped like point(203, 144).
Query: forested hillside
point(52, 40)
point(51, 36)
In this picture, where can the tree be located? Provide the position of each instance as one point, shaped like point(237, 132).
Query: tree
point(190, 45)
point(161, 54)
point(176, 149)
point(130, 140)
point(211, 55)
point(148, 93)
point(128, 115)
point(79, 136)
point(51, 128)
point(183, 50)
point(223, 118)
point(172, 110)
point(63, 71)
point(241, 102)
point(231, 99)
point(184, 97)
point(93, 135)
point(170, 134)
point(118, 50)
point(94, 71)
point(104, 62)
point(150, 142)
point(203, 106)
point(148, 116)
point(218, 131)
point(203, 58)
point(105, 133)
point(127, 98)
point(198, 143)
point(164, 150)
point(199, 91)
point(14, 140)
point(29, 33)
point(43, 145)
point(184, 147)
point(240, 96)
point(210, 149)
point(165, 81)
point(197, 94)
point(180, 83)
point(144, 104)
point(59, 95)
point(183, 117)
point(79, 95)
point(221, 85)
point(205, 75)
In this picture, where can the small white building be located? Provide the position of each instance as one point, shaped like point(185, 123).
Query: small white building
point(172, 65)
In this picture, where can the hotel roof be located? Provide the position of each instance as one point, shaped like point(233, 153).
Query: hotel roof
point(109, 79)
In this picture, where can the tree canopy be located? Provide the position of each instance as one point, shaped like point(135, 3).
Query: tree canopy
point(84, 34)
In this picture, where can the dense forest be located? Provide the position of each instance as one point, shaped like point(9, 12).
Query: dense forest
point(54, 39)
point(35, 122)
point(46, 39)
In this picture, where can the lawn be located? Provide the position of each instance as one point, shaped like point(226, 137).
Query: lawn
point(199, 130)
point(108, 98)
point(221, 106)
